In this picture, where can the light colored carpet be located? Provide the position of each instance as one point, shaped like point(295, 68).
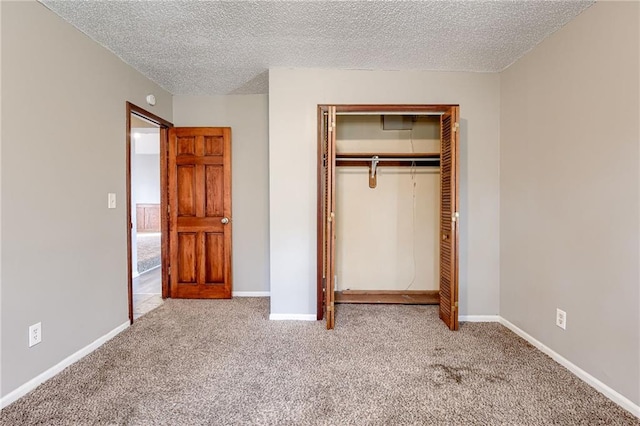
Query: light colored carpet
point(195, 362)
point(148, 245)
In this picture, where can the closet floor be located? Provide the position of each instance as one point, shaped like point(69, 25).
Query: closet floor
point(414, 297)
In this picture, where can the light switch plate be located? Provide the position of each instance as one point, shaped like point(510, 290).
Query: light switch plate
point(112, 200)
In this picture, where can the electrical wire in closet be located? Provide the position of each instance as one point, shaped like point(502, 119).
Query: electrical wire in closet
point(413, 209)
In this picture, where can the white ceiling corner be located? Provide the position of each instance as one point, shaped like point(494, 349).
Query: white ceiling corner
point(213, 47)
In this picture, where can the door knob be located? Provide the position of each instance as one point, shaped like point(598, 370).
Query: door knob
point(225, 220)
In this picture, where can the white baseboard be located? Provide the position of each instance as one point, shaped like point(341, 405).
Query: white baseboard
point(293, 317)
point(479, 318)
point(251, 294)
point(149, 270)
point(614, 396)
point(46, 375)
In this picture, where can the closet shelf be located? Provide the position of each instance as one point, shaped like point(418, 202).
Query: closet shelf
point(404, 159)
point(408, 155)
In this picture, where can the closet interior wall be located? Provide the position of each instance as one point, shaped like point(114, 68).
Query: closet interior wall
point(387, 236)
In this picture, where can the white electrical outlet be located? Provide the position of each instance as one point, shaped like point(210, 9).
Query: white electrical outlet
point(561, 319)
point(35, 334)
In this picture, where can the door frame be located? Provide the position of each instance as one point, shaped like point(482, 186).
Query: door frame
point(164, 126)
point(369, 109)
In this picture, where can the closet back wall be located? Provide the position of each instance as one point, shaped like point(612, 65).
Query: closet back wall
point(386, 240)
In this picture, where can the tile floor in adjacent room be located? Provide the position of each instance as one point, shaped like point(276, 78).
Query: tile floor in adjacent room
point(147, 292)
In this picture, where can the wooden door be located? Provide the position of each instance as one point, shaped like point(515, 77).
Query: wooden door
point(199, 187)
point(329, 217)
point(449, 218)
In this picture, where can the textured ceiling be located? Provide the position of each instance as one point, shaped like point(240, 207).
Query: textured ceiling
point(205, 48)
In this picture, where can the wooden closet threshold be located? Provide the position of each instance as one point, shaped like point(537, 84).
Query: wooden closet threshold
point(409, 297)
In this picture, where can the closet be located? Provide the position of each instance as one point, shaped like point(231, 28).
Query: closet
point(388, 207)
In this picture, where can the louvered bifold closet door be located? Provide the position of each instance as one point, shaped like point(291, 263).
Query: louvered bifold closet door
point(449, 218)
point(330, 208)
point(322, 202)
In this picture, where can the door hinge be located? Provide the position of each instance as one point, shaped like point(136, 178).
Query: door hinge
point(454, 307)
point(330, 307)
point(168, 209)
point(456, 126)
point(455, 216)
point(169, 270)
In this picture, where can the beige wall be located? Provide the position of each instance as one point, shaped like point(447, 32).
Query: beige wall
point(387, 236)
point(293, 98)
point(569, 193)
point(247, 115)
point(63, 150)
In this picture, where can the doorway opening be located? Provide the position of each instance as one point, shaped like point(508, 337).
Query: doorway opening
point(388, 207)
point(146, 256)
point(147, 221)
